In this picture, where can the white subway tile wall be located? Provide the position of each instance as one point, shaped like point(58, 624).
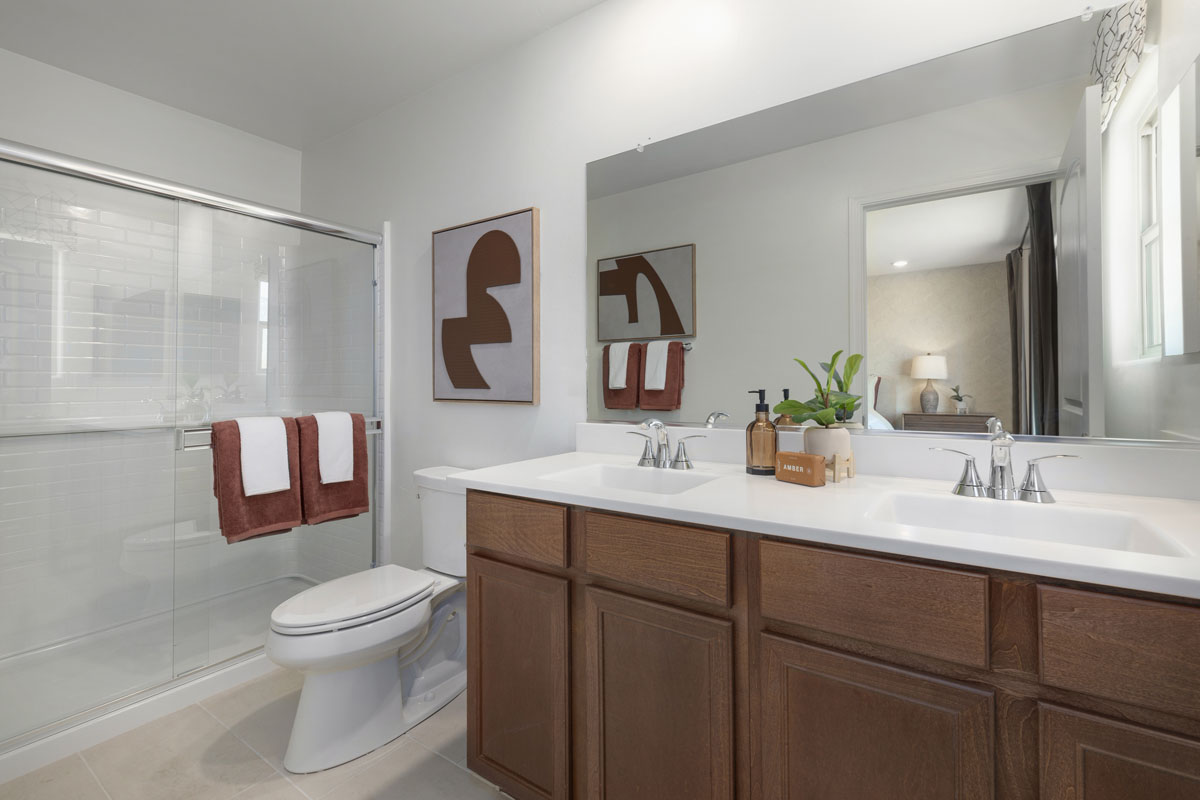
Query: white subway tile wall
point(88, 285)
point(122, 316)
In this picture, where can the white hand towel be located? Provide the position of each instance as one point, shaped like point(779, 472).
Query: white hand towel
point(618, 364)
point(264, 455)
point(656, 365)
point(335, 446)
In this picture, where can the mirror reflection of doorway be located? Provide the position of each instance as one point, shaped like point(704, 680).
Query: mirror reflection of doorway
point(972, 281)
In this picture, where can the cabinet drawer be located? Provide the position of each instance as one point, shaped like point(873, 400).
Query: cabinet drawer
point(688, 562)
point(926, 610)
point(518, 527)
point(1135, 651)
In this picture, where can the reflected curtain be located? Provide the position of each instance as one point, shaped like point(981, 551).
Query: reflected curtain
point(1018, 319)
point(1033, 317)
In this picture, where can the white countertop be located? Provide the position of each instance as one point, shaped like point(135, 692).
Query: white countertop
point(846, 514)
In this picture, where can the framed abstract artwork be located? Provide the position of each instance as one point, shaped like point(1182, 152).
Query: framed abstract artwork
point(485, 310)
point(648, 295)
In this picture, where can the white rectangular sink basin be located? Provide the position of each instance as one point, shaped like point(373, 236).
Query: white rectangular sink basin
point(1109, 530)
point(650, 480)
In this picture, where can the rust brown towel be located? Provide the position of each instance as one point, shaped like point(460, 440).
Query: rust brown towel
point(328, 501)
point(671, 395)
point(627, 397)
point(243, 517)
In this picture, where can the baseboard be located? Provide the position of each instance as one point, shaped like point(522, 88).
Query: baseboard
point(91, 732)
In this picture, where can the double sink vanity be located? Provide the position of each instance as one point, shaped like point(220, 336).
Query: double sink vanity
point(650, 633)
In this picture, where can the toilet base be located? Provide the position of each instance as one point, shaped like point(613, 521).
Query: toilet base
point(346, 713)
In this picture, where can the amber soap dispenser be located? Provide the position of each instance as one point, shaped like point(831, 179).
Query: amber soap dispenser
point(760, 439)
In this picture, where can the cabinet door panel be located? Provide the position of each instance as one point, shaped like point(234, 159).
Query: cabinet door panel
point(836, 727)
point(1092, 758)
point(517, 679)
point(660, 683)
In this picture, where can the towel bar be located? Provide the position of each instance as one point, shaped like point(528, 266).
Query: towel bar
point(201, 438)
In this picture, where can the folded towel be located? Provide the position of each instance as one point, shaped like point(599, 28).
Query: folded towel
point(328, 501)
point(618, 364)
point(670, 397)
point(656, 365)
point(628, 396)
point(335, 453)
point(264, 455)
point(242, 516)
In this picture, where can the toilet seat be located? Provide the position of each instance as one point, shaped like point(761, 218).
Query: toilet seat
point(352, 600)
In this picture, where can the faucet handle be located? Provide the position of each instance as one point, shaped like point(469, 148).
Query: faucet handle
point(681, 457)
point(1033, 489)
point(647, 459)
point(969, 484)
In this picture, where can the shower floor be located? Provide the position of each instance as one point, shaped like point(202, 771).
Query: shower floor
point(45, 686)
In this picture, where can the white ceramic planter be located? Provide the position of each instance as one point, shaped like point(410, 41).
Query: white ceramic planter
point(827, 442)
point(961, 406)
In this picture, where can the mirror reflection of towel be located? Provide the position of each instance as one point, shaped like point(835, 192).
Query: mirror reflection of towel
point(670, 396)
point(626, 397)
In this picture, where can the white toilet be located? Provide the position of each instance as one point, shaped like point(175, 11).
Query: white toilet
point(382, 649)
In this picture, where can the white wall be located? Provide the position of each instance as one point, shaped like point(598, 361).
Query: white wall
point(57, 110)
point(772, 240)
point(518, 130)
point(961, 313)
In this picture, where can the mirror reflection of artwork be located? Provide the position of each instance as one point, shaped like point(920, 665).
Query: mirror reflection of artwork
point(648, 295)
point(485, 310)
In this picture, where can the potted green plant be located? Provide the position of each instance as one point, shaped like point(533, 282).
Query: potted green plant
point(831, 407)
point(960, 400)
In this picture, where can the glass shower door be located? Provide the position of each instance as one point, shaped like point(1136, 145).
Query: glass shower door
point(87, 377)
point(272, 321)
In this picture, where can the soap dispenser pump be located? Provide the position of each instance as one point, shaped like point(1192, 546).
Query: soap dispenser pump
point(760, 438)
point(784, 419)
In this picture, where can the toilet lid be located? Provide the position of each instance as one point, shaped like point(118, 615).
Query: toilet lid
point(373, 593)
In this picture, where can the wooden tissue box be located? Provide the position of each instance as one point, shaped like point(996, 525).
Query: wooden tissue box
point(801, 468)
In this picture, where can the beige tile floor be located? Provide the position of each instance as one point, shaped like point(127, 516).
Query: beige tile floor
point(232, 745)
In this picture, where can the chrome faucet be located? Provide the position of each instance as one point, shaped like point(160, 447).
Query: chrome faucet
point(1000, 485)
point(713, 417)
point(658, 443)
point(1000, 482)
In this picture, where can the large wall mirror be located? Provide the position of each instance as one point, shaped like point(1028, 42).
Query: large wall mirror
point(1011, 231)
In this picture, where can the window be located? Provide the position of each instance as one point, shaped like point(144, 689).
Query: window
point(1150, 229)
point(264, 336)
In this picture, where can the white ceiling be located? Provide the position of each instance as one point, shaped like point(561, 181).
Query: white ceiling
point(952, 232)
point(294, 71)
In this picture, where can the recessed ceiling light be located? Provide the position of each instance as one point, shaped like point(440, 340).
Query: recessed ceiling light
point(899, 264)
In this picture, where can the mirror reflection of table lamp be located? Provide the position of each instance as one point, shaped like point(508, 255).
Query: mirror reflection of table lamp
point(929, 368)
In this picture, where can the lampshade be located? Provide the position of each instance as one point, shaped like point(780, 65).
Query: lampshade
point(929, 366)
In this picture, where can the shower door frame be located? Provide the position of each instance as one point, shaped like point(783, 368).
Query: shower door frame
point(28, 155)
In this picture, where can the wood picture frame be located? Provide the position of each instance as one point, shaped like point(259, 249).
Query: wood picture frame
point(486, 310)
point(671, 274)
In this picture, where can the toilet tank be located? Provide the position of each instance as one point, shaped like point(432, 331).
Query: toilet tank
point(443, 521)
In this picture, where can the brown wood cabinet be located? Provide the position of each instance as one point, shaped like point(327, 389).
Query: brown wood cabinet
point(1090, 758)
point(617, 658)
point(843, 728)
point(659, 701)
point(517, 724)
